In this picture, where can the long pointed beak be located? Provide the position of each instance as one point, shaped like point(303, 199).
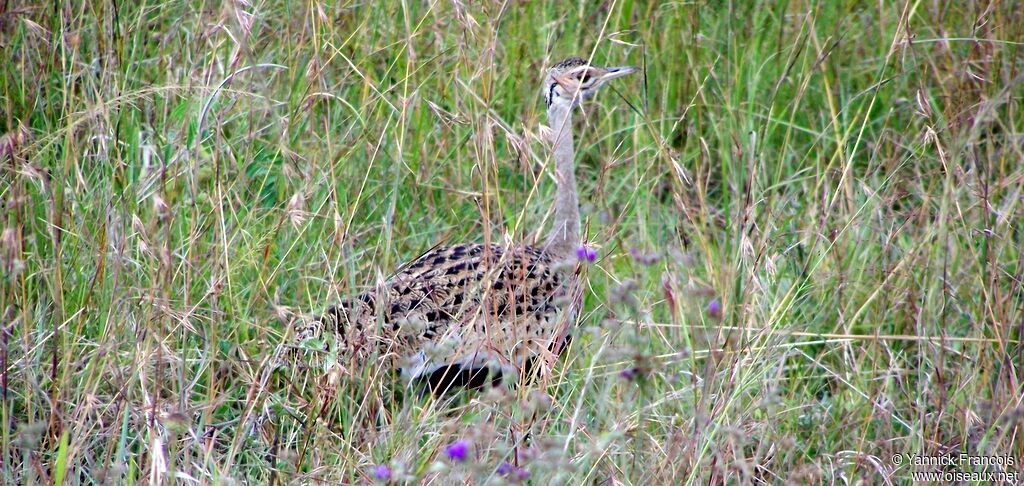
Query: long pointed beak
point(618, 72)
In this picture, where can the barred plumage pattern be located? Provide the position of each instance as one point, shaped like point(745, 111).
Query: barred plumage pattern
point(471, 306)
point(569, 63)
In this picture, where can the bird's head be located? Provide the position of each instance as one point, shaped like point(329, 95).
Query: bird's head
point(575, 79)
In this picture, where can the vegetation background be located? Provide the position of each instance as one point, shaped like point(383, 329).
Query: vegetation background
point(808, 217)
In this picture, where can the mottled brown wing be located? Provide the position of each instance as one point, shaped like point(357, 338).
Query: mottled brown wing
point(465, 305)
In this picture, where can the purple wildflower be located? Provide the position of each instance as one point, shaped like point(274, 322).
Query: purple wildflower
point(629, 373)
point(382, 473)
point(512, 473)
point(457, 451)
point(715, 308)
point(645, 259)
point(585, 253)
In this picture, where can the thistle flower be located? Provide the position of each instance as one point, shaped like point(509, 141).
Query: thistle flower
point(457, 451)
point(585, 253)
point(381, 473)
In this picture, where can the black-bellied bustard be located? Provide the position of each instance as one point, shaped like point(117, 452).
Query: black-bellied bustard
point(468, 314)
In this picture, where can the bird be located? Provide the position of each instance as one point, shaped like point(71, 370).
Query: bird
point(471, 314)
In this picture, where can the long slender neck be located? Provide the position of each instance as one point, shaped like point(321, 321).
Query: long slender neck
point(565, 234)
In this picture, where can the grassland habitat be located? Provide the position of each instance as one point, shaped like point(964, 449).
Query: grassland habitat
point(806, 217)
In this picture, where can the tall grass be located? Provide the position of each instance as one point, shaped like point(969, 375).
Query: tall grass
point(808, 216)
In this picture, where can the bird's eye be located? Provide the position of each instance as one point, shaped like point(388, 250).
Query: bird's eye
point(583, 76)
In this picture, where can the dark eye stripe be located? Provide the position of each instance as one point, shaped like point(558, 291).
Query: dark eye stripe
point(585, 76)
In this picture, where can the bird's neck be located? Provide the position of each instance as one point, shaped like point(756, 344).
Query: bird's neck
point(565, 234)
